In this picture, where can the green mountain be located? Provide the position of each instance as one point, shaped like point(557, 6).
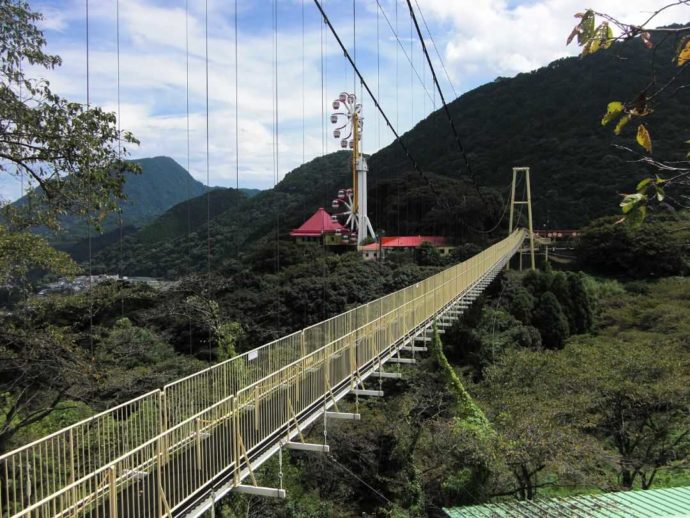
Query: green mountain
point(548, 119)
point(161, 184)
point(249, 193)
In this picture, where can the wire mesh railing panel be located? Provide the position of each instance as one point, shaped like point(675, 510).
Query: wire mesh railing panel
point(36, 470)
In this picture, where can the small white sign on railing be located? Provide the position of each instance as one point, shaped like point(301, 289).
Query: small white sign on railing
point(253, 355)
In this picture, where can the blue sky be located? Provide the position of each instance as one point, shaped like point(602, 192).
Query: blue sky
point(478, 41)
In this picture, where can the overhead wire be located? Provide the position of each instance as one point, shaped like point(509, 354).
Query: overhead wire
point(303, 92)
point(374, 98)
point(354, 47)
point(237, 102)
point(119, 156)
point(90, 244)
point(276, 156)
point(189, 170)
point(397, 83)
point(446, 110)
point(438, 54)
point(397, 112)
point(399, 45)
point(412, 78)
point(456, 135)
point(378, 116)
point(237, 119)
point(208, 149)
point(356, 477)
point(208, 172)
point(324, 271)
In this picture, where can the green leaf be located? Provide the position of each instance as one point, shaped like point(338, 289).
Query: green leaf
point(643, 184)
point(630, 201)
point(608, 41)
point(613, 110)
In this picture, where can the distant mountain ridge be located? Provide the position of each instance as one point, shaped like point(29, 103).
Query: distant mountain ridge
point(161, 184)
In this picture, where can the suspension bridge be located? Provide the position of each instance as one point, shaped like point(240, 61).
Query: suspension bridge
point(178, 450)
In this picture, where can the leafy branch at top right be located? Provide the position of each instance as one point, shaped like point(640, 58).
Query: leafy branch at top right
point(595, 31)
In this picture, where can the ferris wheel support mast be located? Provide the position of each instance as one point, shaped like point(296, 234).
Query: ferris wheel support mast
point(354, 123)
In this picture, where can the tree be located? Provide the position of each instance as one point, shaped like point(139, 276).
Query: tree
point(73, 154)
point(132, 360)
point(540, 441)
point(40, 366)
point(22, 252)
point(428, 255)
point(551, 321)
point(593, 36)
point(634, 396)
point(655, 249)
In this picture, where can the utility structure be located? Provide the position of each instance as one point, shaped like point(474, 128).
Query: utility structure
point(527, 200)
point(348, 115)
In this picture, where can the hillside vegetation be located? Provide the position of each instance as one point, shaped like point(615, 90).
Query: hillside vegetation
point(549, 120)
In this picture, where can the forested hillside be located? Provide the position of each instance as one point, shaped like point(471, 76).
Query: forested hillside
point(240, 226)
point(549, 120)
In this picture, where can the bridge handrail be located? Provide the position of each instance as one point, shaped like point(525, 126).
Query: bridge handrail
point(66, 474)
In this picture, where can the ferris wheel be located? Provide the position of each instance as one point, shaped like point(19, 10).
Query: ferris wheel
point(350, 119)
point(349, 132)
point(346, 216)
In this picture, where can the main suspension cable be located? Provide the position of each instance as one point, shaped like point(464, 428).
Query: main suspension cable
point(400, 45)
point(440, 92)
point(403, 146)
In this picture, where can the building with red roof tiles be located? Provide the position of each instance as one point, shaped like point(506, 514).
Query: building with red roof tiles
point(319, 228)
point(404, 243)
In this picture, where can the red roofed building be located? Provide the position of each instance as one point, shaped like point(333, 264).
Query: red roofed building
point(319, 227)
point(408, 243)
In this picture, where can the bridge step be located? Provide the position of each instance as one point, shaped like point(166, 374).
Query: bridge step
point(395, 359)
point(260, 491)
point(412, 348)
point(391, 375)
point(366, 392)
point(303, 446)
point(343, 415)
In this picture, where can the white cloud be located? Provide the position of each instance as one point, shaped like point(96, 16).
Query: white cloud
point(492, 38)
point(479, 41)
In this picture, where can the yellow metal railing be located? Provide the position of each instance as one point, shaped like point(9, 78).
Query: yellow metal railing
point(148, 456)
